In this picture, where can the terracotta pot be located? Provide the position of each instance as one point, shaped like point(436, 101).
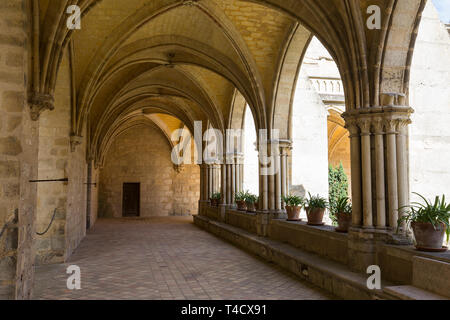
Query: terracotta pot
point(427, 237)
point(315, 216)
point(215, 202)
point(242, 206)
point(344, 222)
point(293, 213)
point(251, 207)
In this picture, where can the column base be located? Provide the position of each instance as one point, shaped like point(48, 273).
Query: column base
point(201, 206)
point(363, 244)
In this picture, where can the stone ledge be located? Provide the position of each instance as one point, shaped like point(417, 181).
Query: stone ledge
point(329, 275)
point(323, 240)
point(411, 293)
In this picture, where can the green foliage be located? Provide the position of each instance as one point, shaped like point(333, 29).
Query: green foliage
point(317, 202)
point(343, 206)
point(427, 212)
point(216, 196)
point(338, 188)
point(240, 196)
point(294, 201)
point(251, 198)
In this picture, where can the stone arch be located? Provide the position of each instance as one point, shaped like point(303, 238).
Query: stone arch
point(286, 83)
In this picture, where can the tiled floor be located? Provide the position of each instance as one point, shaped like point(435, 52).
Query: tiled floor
point(167, 258)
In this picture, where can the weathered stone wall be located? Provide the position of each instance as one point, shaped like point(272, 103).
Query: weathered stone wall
point(56, 161)
point(76, 198)
point(430, 98)
point(18, 154)
point(310, 141)
point(142, 155)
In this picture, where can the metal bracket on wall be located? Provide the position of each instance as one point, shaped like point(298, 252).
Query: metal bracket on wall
point(50, 180)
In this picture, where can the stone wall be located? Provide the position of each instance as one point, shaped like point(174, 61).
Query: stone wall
point(142, 155)
point(310, 140)
point(430, 98)
point(56, 161)
point(18, 154)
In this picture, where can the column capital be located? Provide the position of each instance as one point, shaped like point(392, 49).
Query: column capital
point(39, 102)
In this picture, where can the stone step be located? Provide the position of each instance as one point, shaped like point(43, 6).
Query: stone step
point(329, 275)
point(412, 293)
point(431, 275)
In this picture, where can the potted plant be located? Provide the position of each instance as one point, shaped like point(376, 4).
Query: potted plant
point(293, 206)
point(240, 200)
point(342, 214)
point(250, 201)
point(215, 199)
point(315, 210)
point(429, 222)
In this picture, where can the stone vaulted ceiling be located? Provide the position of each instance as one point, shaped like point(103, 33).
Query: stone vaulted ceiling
point(190, 59)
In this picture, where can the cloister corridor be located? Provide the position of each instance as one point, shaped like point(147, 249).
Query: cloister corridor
point(167, 259)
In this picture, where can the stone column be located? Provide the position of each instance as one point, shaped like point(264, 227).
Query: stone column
point(379, 170)
point(277, 179)
point(223, 186)
point(229, 196)
point(365, 125)
point(237, 173)
point(233, 183)
point(402, 168)
point(355, 151)
point(283, 173)
point(19, 143)
point(391, 142)
point(390, 161)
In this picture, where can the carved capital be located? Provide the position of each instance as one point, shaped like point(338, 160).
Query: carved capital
point(75, 141)
point(364, 125)
point(391, 126)
point(40, 102)
point(378, 126)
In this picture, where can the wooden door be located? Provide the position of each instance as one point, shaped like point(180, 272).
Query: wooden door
point(131, 199)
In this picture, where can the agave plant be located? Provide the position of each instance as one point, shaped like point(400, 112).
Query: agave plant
point(293, 201)
point(317, 202)
point(428, 212)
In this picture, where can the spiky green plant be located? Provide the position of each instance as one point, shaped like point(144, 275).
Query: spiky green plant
point(293, 201)
point(216, 196)
point(342, 206)
point(240, 196)
point(251, 198)
point(436, 213)
point(317, 202)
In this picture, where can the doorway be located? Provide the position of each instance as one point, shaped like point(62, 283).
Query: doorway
point(131, 199)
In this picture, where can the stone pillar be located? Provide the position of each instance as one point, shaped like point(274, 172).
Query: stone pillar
point(283, 174)
point(233, 183)
point(355, 152)
point(402, 168)
point(386, 171)
point(391, 142)
point(18, 155)
point(223, 186)
point(210, 180)
point(379, 173)
point(365, 125)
